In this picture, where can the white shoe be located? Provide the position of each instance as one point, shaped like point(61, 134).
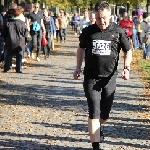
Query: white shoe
point(32, 56)
point(37, 58)
point(13, 65)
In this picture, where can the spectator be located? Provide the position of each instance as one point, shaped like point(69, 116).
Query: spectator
point(50, 31)
point(85, 21)
point(25, 20)
point(134, 31)
point(127, 25)
point(63, 23)
point(7, 15)
point(147, 31)
point(76, 22)
point(57, 29)
point(140, 18)
point(143, 35)
point(36, 18)
point(15, 33)
point(92, 18)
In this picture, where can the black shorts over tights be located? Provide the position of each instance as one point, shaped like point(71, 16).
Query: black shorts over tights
point(100, 95)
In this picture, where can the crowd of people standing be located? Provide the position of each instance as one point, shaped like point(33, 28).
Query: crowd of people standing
point(136, 26)
point(22, 33)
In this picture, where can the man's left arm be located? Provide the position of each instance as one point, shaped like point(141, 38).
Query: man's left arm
point(42, 25)
point(127, 58)
point(126, 47)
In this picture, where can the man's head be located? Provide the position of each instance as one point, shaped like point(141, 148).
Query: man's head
point(125, 16)
point(85, 14)
point(76, 14)
point(102, 14)
point(92, 18)
point(17, 11)
point(13, 6)
point(62, 13)
point(36, 7)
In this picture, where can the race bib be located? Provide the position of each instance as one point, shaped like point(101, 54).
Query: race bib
point(101, 47)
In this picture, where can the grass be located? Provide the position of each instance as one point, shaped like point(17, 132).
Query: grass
point(145, 65)
point(142, 67)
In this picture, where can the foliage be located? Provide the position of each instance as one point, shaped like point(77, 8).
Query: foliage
point(87, 3)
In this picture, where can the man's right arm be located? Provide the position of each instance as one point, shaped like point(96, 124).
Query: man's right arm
point(79, 57)
point(80, 52)
point(79, 62)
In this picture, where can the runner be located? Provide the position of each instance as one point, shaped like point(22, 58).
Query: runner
point(102, 43)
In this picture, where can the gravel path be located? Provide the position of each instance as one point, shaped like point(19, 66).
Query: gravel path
point(44, 108)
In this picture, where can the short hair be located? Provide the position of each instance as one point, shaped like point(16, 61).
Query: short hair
point(17, 11)
point(100, 6)
point(92, 13)
point(36, 4)
point(13, 6)
point(61, 11)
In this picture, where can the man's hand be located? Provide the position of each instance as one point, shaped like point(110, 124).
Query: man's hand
point(76, 74)
point(125, 74)
point(44, 31)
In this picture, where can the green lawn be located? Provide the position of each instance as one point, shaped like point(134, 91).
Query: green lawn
point(145, 65)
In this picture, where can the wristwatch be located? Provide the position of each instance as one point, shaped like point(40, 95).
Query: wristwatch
point(127, 67)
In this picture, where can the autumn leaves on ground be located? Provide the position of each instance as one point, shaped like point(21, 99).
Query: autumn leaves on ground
point(142, 67)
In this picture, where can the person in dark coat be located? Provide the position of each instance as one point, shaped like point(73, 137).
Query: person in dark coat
point(15, 34)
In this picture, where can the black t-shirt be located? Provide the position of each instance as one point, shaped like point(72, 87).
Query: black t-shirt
point(36, 17)
point(102, 48)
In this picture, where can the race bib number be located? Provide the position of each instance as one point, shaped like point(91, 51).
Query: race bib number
point(101, 47)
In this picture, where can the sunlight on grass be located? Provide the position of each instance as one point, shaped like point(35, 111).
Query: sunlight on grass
point(142, 67)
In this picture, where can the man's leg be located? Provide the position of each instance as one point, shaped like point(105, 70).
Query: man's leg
point(34, 43)
point(65, 34)
point(52, 41)
point(107, 98)
point(60, 34)
point(93, 95)
point(7, 59)
point(19, 61)
point(99, 103)
point(49, 46)
point(39, 36)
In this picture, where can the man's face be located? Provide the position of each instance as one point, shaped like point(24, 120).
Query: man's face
point(61, 13)
point(125, 16)
point(92, 18)
point(102, 18)
point(36, 7)
point(85, 14)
